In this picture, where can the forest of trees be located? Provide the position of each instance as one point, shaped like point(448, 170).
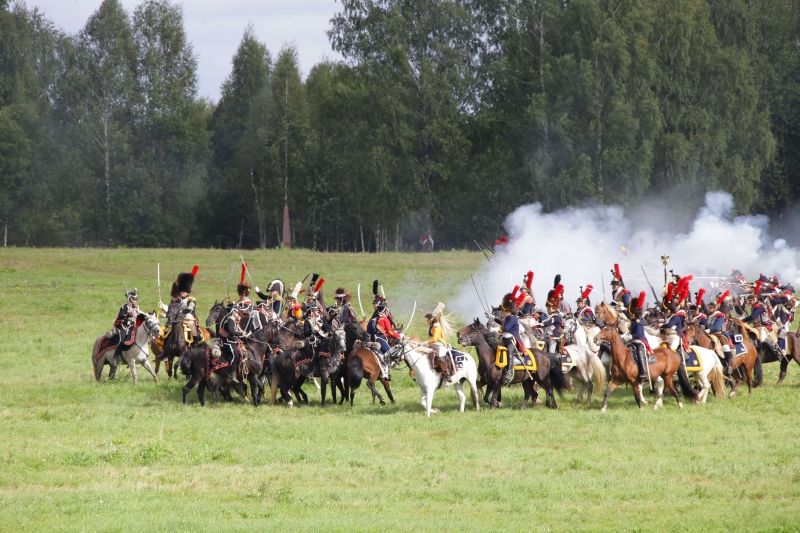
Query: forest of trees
point(444, 116)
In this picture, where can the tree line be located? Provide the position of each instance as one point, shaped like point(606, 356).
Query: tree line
point(443, 117)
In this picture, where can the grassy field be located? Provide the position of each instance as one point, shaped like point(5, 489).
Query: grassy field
point(81, 456)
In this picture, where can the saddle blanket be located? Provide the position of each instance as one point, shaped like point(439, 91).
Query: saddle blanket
point(693, 361)
point(740, 348)
point(215, 363)
point(651, 358)
point(528, 361)
point(107, 344)
point(566, 359)
point(458, 358)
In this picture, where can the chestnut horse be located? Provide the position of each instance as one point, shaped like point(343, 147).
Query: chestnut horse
point(744, 365)
point(548, 372)
point(625, 370)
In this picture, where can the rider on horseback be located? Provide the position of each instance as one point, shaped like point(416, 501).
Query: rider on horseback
point(638, 337)
point(585, 314)
point(231, 332)
point(251, 319)
point(345, 314)
point(272, 301)
point(438, 331)
point(698, 310)
point(510, 334)
point(717, 322)
point(553, 320)
point(126, 321)
point(380, 329)
point(181, 293)
point(293, 310)
point(528, 305)
point(783, 312)
point(620, 296)
point(759, 317)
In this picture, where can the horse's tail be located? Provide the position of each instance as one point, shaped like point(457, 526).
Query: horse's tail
point(598, 372)
point(758, 370)
point(717, 379)
point(556, 375)
point(355, 371)
point(686, 385)
point(186, 364)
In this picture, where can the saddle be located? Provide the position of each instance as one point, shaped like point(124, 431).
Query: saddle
point(651, 358)
point(214, 363)
point(528, 361)
point(693, 361)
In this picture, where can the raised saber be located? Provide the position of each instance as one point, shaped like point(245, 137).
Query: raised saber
point(410, 319)
point(603, 283)
point(479, 294)
point(158, 274)
point(228, 291)
point(650, 284)
point(247, 269)
point(363, 316)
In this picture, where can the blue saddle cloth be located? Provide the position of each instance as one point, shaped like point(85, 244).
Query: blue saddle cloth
point(458, 358)
point(740, 348)
point(566, 359)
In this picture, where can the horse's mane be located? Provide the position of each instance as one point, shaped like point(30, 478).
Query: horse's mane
point(609, 308)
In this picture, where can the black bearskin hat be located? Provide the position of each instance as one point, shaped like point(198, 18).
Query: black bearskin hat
point(186, 280)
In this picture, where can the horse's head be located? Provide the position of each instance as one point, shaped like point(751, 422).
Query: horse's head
point(173, 310)
point(606, 313)
point(151, 324)
point(468, 335)
point(216, 314)
point(608, 333)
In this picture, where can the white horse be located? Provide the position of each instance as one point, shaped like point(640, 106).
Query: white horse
point(137, 353)
point(416, 357)
point(586, 366)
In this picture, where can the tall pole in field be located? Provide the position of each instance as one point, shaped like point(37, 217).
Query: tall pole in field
point(287, 233)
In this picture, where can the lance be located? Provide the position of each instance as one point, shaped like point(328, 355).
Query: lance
point(603, 283)
point(382, 292)
point(158, 274)
point(363, 316)
point(650, 284)
point(228, 291)
point(410, 319)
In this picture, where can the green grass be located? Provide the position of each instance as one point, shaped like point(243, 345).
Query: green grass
point(76, 455)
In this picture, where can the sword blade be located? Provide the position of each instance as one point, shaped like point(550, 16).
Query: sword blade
point(410, 319)
point(363, 316)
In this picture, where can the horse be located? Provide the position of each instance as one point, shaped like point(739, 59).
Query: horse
point(416, 357)
point(792, 351)
point(175, 344)
point(749, 360)
point(624, 370)
point(320, 355)
point(587, 367)
point(353, 332)
point(363, 362)
point(194, 364)
point(138, 352)
point(548, 370)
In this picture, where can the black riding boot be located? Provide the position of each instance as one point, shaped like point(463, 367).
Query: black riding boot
point(728, 363)
point(641, 362)
point(508, 375)
point(234, 368)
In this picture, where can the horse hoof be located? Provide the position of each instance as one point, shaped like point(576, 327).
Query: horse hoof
point(434, 410)
point(383, 403)
point(732, 394)
point(680, 405)
point(602, 409)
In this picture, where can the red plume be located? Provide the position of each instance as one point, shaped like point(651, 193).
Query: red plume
point(514, 292)
point(758, 288)
point(700, 295)
point(529, 281)
point(520, 299)
point(244, 271)
point(684, 282)
point(497, 242)
point(559, 290)
point(640, 301)
point(722, 297)
point(670, 291)
point(503, 240)
point(617, 272)
point(682, 296)
point(585, 293)
point(319, 284)
point(195, 269)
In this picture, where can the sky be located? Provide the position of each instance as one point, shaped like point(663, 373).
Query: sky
point(215, 28)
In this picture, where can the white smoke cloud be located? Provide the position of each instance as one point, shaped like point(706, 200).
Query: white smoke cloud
point(582, 244)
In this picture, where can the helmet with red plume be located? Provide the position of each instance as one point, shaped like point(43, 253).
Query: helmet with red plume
point(700, 294)
point(528, 279)
point(723, 297)
point(243, 288)
point(514, 292)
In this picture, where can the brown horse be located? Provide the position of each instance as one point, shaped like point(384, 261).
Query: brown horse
point(624, 370)
point(744, 365)
point(793, 353)
point(548, 372)
point(362, 363)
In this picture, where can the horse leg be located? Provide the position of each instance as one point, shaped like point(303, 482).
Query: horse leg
point(473, 390)
point(98, 367)
point(550, 392)
point(637, 393)
point(462, 398)
point(324, 389)
point(388, 388)
point(611, 386)
point(273, 389)
point(704, 387)
point(146, 365)
point(158, 365)
point(784, 368)
point(526, 388)
point(429, 400)
point(189, 386)
point(674, 390)
point(253, 388)
point(112, 372)
point(132, 366)
point(201, 392)
point(371, 385)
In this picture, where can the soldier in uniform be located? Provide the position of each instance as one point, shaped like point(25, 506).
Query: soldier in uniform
point(438, 331)
point(249, 317)
point(585, 316)
point(271, 304)
point(181, 293)
point(313, 293)
point(717, 327)
point(293, 309)
point(125, 323)
point(620, 298)
point(345, 314)
point(698, 310)
point(528, 304)
point(509, 329)
point(638, 337)
point(553, 321)
point(759, 317)
point(783, 313)
point(231, 332)
point(380, 330)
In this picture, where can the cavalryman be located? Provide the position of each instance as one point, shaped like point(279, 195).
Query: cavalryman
point(345, 313)
point(585, 314)
point(528, 304)
point(126, 320)
point(620, 296)
point(759, 317)
point(783, 306)
point(293, 309)
point(510, 334)
point(638, 337)
point(231, 332)
point(380, 329)
point(717, 322)
point(698, 310)
point(181, 292)
point(553, 321)
point(250, 318)
point(438, 331)
point(313, 292)
point(272, 301)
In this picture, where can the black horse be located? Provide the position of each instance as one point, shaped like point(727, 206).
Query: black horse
point(194, 364)
point(320, 356)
